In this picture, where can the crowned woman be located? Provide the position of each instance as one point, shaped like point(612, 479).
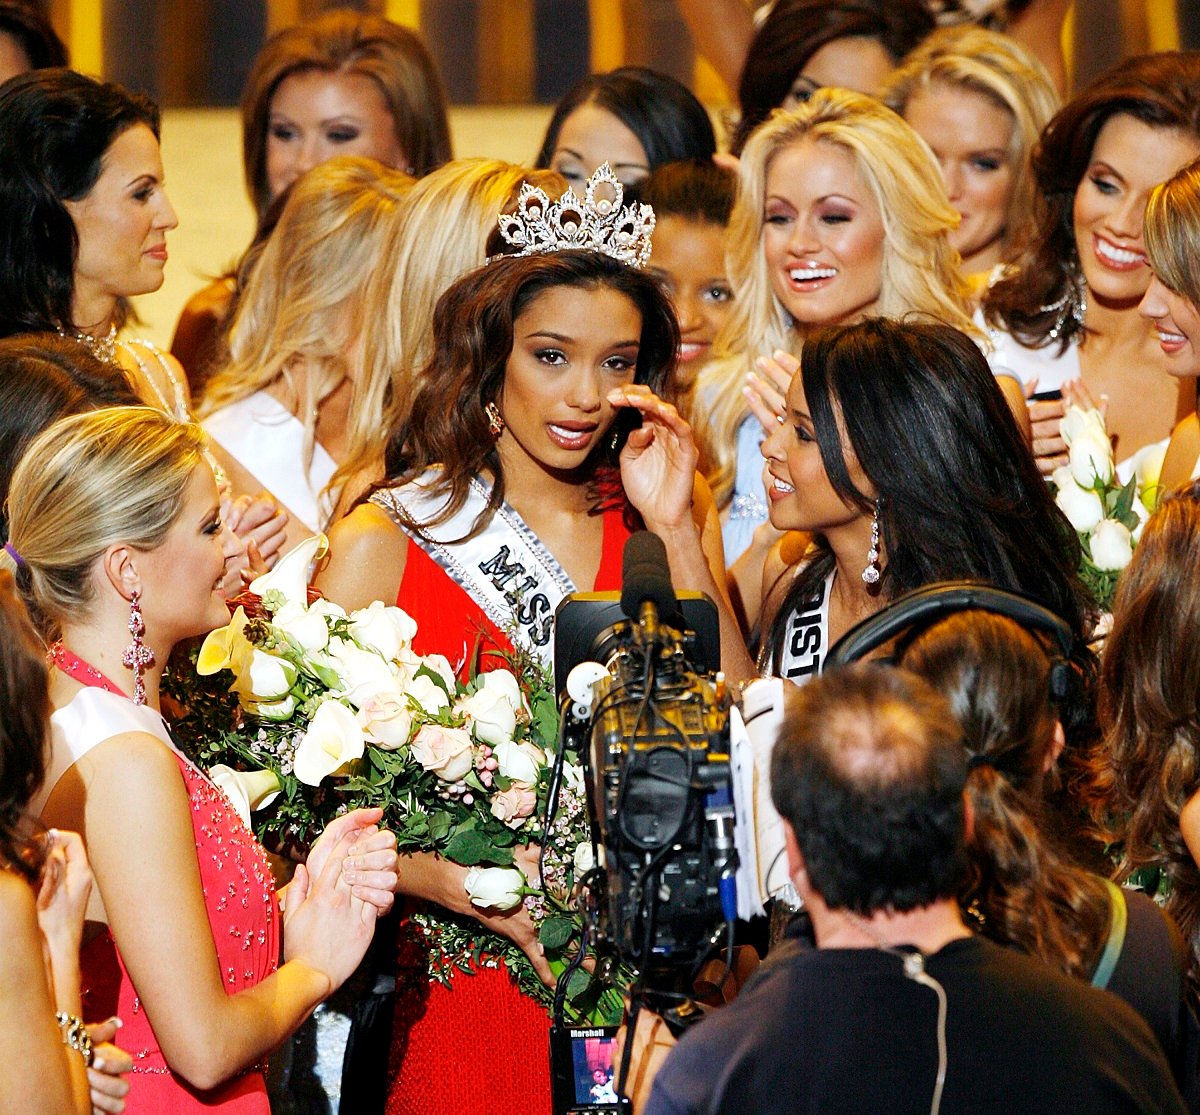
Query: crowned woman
point(535, 445)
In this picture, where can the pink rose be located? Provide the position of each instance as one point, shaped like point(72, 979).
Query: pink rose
point(513, 805)
point(447, 752)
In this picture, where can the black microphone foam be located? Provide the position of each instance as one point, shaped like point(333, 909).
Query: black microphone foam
point(645, 576)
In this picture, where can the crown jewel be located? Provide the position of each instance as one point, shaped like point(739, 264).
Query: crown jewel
point(594, 224)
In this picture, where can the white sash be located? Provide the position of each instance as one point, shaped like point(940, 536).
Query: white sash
point(806, 641)
point(505, 569)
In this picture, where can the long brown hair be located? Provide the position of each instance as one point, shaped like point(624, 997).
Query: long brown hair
point(25, 706)
point(996, 676)
point(1150, 707)
point(473, 338)
point(1160, 90)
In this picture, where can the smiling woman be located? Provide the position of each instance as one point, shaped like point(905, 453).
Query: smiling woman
point(1066, 314)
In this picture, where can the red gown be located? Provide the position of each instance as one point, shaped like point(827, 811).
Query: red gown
point(239, 896)
point(479, 1047)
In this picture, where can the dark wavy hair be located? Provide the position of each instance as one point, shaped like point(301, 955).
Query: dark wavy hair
point(796, 29)
point(960, 496)
point(33, 34)
point(1160, 90)
point(25, 701)
point(473, 326)
point(869, 770)
point(1024, 890)
point(1149, 768)
point(665, 116)
point(45, 377)
point(55, 127)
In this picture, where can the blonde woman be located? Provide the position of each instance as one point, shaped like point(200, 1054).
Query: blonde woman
point(980, 100)
point(841, 215)
point(116, 524)
point(299, 409)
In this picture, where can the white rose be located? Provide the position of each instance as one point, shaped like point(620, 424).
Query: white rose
point(519, 762)
point(1077, 421)
point(447, 752)
point(266, 678)
point(273, 710)
point(247, 790)
point(1112, 545)
point(430, 696)
point(440, 665)
point(290, 576)
point(386, 720)
point(1082, 507)
point(388, 629)
point(1091, 459)
point(306, 625)
point(490, 715)
point(333, 739)
point(584, 858)
point(363, 672)
point(496, 888)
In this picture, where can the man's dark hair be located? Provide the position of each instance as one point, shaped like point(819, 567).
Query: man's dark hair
point(869, 770)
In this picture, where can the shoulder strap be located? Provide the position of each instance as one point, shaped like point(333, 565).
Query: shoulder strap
point(1116, 936)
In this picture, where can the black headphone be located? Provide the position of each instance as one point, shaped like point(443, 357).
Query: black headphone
point(916, 610)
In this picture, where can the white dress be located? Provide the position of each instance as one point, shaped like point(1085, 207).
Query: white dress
point(268, 441)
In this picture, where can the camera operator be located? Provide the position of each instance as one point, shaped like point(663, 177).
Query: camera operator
point(900, 1008)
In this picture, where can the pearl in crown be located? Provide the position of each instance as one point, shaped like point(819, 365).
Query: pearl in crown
point(592, 224)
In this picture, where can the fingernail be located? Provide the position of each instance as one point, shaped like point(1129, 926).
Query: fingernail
point(116, 1022)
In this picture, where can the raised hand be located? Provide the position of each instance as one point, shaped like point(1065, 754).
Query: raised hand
point(765, 393)
point(658, 463)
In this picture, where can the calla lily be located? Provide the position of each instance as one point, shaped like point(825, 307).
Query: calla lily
point(247, 790)
point(333, 739)
point(289, 578)
point(226, 648)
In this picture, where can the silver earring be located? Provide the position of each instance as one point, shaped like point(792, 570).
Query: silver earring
point(871, 573)
point(495, 419)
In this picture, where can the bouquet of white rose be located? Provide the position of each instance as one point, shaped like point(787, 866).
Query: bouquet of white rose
point(302, 711)
point(1107, 515)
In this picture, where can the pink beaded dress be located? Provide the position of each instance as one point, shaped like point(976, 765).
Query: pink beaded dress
point(239, 896)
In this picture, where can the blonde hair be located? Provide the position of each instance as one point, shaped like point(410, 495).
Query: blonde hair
point(920, 273)
point(442, 234)
point(88, 482)
point(1171, 231)
point(305, 300)
point(1003, 72)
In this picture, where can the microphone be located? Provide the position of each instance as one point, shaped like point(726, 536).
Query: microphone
point(645, 578)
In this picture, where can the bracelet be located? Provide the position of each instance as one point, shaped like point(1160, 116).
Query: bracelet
point(75, 1036)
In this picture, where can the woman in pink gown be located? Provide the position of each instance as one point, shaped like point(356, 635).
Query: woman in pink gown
point(115, 525)
point(495, 508)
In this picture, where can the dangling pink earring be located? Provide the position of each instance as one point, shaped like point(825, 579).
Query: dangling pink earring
point(137, 656)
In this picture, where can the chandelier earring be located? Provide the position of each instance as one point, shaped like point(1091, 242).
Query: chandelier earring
point(871, 573)
point(495, 419)
point(1071, 307)
point(137, 656)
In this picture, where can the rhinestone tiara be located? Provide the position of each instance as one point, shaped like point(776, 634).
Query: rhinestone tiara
point(594, 224)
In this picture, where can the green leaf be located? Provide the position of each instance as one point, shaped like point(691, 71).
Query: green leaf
point(556, 932)
point(468, 847)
